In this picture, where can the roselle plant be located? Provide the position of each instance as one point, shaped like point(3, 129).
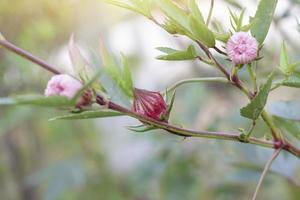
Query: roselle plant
point(85, 94)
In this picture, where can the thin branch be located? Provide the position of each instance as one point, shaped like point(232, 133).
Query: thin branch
point(162, 125)
point(266, 169)
point(218, 65)
point(198, 80)
point(11, 47)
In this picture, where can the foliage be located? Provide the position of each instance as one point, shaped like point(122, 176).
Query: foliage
point(65, 159)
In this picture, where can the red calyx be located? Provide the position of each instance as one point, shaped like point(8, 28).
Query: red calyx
point(150, 104)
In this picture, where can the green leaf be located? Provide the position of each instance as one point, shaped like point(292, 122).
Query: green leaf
point(141, 128)
point(285, 66)
point(122, 77)
point(141, 7)
point(292, 81)
point(126, 77)
point(201, 32)
point(223, 37)
point(195, 11)
point(38, 100)
point(284, 59)
point(88, 115)
point(289, 126)
point(79, 63)
point(256, 106)
point(263, 18)
point(285, 109)
point(172, 54)
point(176, 15)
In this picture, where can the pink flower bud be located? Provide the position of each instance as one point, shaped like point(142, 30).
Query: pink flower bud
point(66, 85)
point(150, 104)
point(242, 48)
point(63, 85)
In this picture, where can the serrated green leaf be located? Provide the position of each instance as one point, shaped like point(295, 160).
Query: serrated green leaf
point(88, 115)
point(256, 106)
point(285, 109)
point(263, 18)
point(289, 126)
point(38, 100)
point(196, 11)
point(172, 54)
point(201, 32)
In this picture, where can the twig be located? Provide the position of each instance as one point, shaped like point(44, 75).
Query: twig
point(162, 125)
point(198, 80)
point(267, 167)
point(11, 47)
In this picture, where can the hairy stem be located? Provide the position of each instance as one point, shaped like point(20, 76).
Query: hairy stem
point(266, 169)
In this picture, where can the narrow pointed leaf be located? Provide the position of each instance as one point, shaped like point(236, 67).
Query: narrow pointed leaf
point(196, 11)
point(88, 115)
point(172, 54)
point(124, 5)
point(201, 32)
point(175, 13)
point(79, 63)
point(127, 78)
point(141, 128)
point(38, 100)
point(263, 18)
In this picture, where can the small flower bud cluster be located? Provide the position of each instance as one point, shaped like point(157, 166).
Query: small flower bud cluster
point(242, 48)
point(67, 86)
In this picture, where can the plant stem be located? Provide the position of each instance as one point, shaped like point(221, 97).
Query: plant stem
point(198, 80)
point(268, 120)
point(252, 77)
point(182, 131)
point(168, 127)
point(267, 167)
point(11, 47)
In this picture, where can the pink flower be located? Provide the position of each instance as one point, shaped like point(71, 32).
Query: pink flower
point(150, 104)
point(63, 85)
point(242, 48)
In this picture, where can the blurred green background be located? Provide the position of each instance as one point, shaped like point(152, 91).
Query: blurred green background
point(101, 159)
